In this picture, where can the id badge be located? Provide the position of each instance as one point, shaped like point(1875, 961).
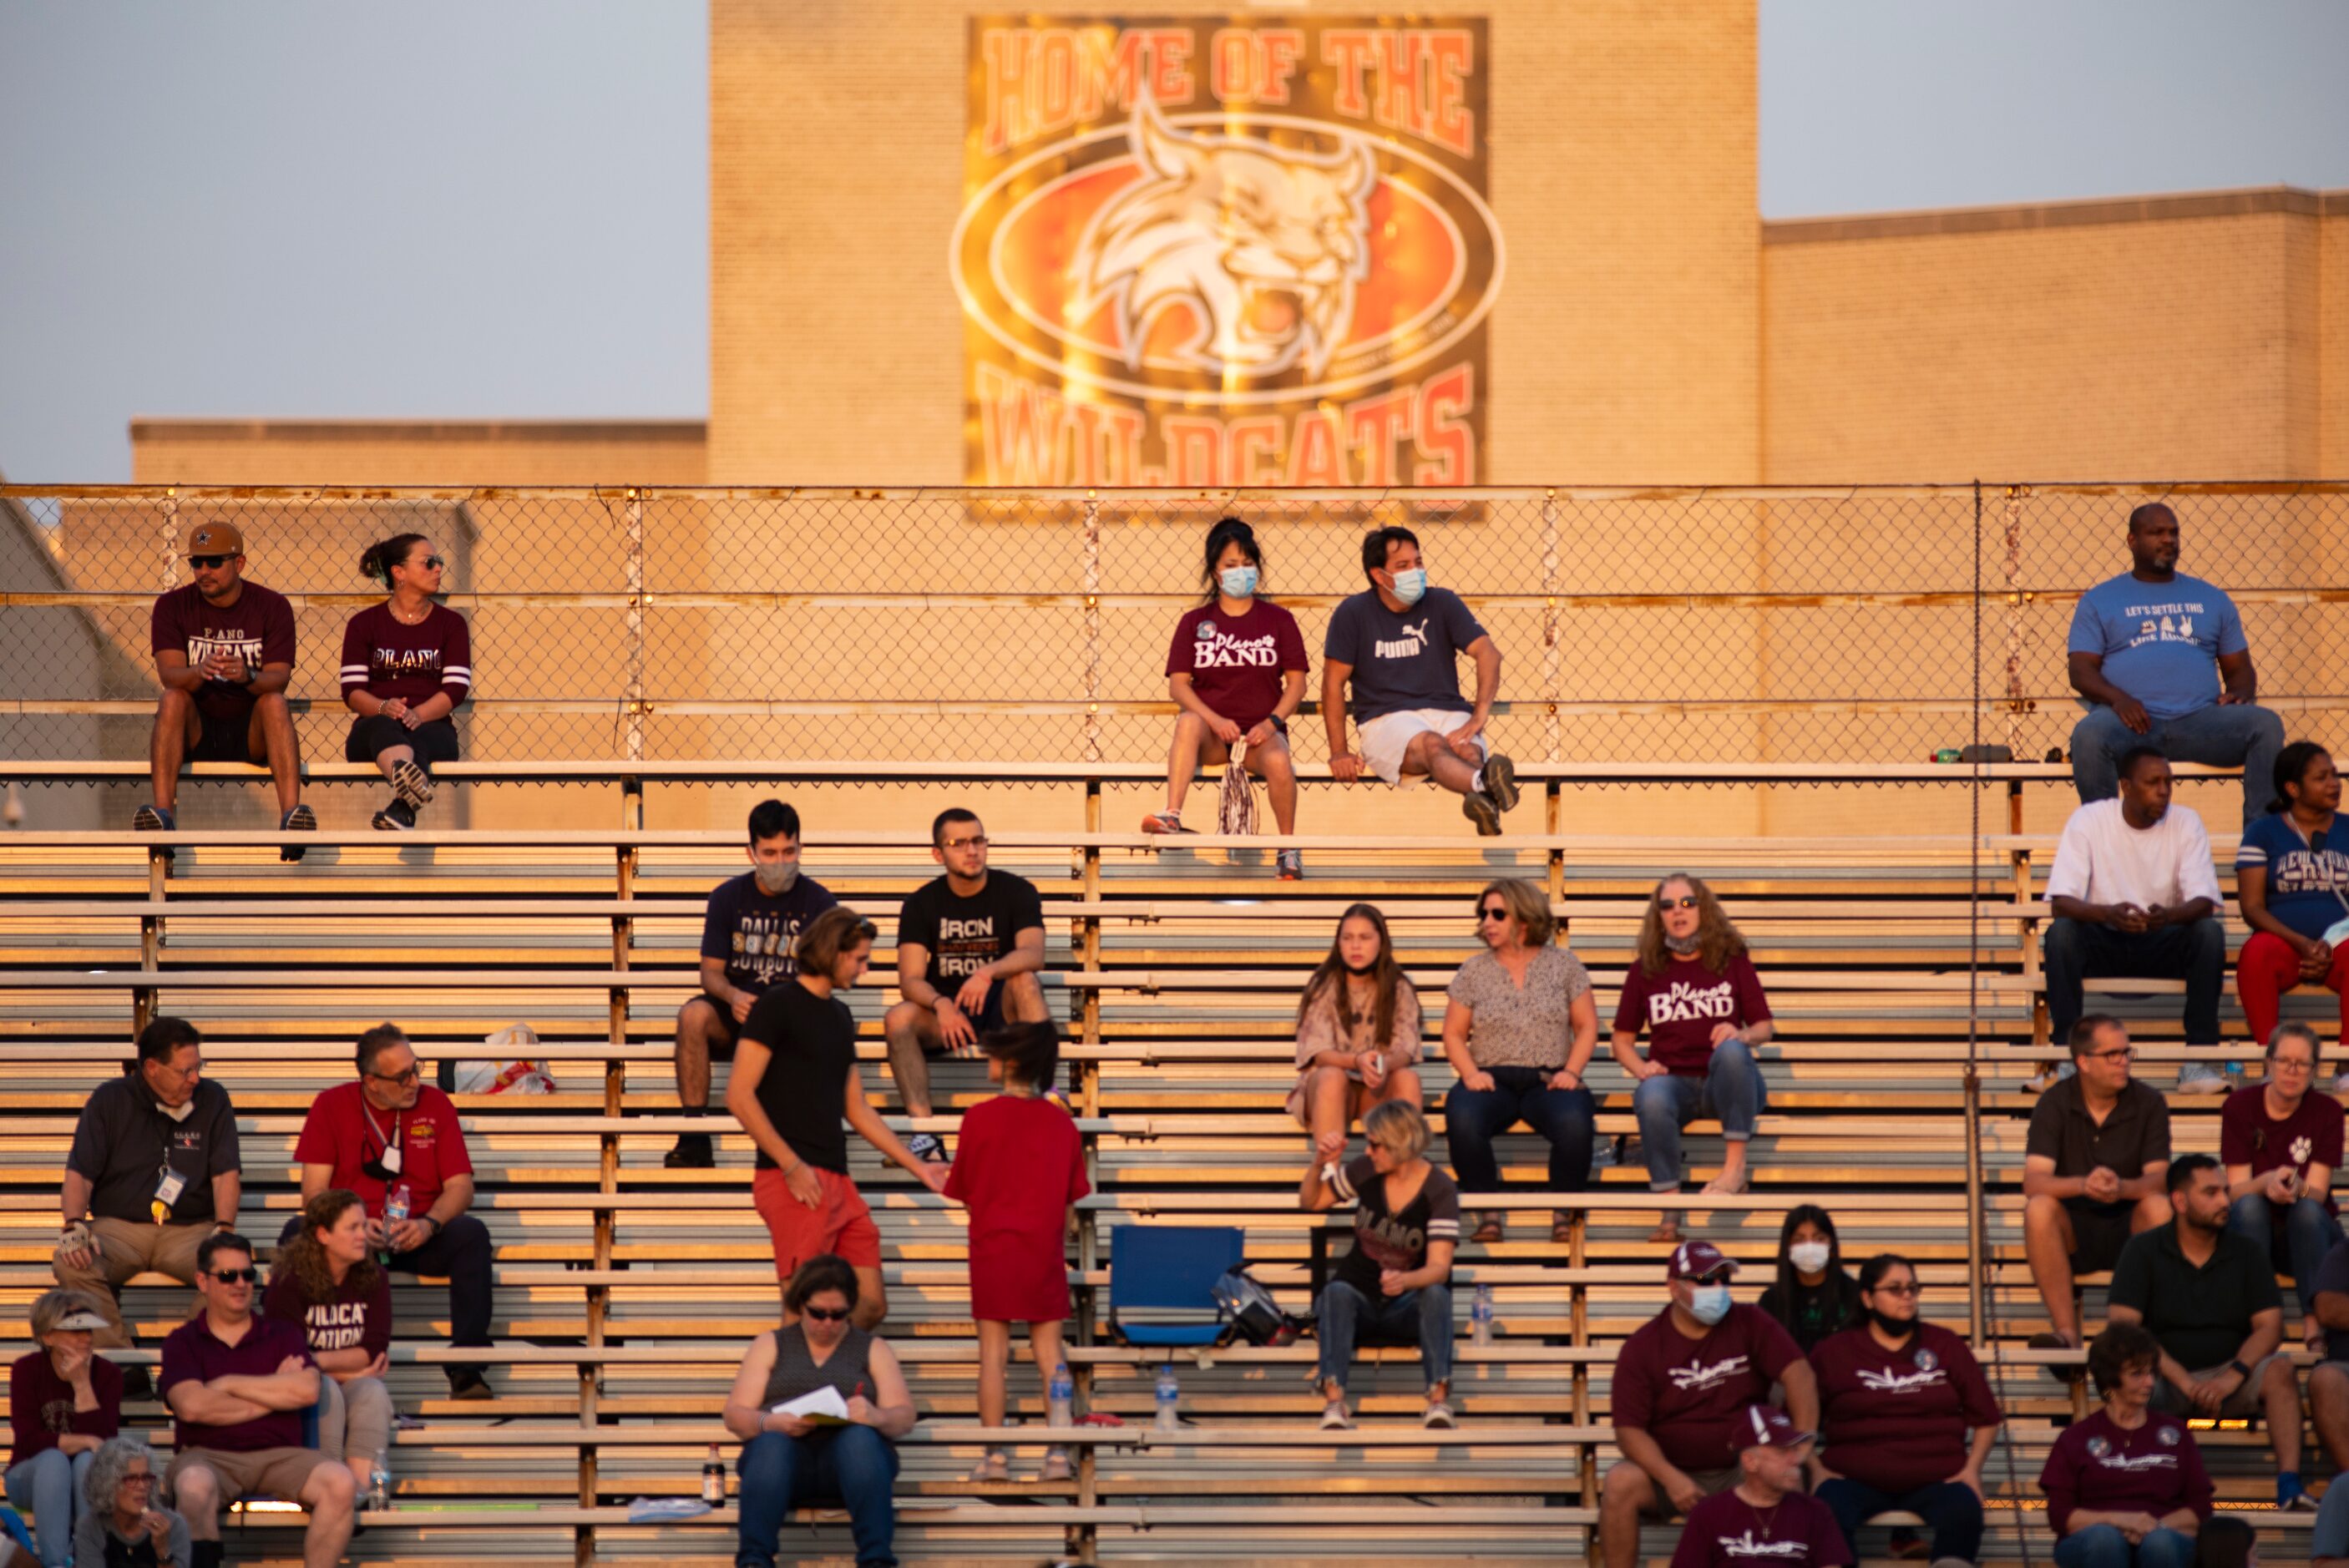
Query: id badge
point(167, 1189)
point(390, 1160)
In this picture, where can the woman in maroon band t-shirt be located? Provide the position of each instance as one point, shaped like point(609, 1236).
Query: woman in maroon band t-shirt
point(1695, 992)
point(407, 663)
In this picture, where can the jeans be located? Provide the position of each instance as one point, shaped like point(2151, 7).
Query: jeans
point(852, 1466)
point(461, 1253)
point(1423, 1314)
point(2075, 953)
point(1473, 1118)
point(2104, 1546)
point(1733, 1090)
point(1950, 1509)
point(2308, 1232)
point(49, 1485)
point(2220, 736)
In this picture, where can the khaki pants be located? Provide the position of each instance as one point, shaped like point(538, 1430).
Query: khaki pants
point(354, 1418)
point(126, 1248)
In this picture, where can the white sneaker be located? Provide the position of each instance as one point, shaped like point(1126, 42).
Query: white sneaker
point(1438, 1417)
point(1333, 1417)
point(2200, 1077)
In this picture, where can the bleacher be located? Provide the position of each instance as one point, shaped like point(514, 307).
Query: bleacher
point(1903, 973)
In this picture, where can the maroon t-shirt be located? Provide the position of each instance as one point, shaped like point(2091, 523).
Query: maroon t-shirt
point(193, 1352)
point(2310, 1135)
point(1896, 1419)
point(343, 1132)
point(393, 660)
point(1235, 662)
point(1798, 1531)
point(258, 628)
point(354, 1319)
point(2102, 1468)
point(1691, 1395)
point(1680, 1007)
point(41, 1405)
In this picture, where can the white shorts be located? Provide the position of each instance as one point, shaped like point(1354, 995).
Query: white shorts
point(1386, 738)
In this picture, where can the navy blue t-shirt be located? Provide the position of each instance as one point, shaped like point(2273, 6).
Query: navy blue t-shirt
point(755, 933)
point(1403, 662)
point(2306, 879)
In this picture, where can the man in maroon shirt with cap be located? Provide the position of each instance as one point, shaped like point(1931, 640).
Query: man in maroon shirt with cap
point(1683, 1385)
point(1767, 1515)
point(225, 654)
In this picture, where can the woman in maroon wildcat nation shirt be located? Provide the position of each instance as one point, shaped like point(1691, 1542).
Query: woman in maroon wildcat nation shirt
point(1695, 992)
point(1897, 1397)
point(2125, 1487)
point(407, 663)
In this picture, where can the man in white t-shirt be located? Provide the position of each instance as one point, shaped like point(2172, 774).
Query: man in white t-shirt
point(2133, 894)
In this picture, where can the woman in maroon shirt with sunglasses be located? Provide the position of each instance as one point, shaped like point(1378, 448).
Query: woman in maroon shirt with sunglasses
point(407, 663)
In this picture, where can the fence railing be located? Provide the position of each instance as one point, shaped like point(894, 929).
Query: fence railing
point(1854, 624)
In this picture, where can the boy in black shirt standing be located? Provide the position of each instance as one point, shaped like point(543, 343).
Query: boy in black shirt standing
point(970, 956)
point(753, 922)
point(796, 1079)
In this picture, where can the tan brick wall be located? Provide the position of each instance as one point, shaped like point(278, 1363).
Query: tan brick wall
point(2172, 337)
point(1623, 347)
point(439, 453)
point(2332, 335)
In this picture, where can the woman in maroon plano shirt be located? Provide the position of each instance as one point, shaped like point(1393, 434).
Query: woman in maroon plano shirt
point(1236, 671)
point(407, 663)
point(1906, 1417)
point(1694, 991)
point(326, 1284)
point(2125, 1487)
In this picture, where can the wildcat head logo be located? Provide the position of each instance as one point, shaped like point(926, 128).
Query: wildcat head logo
point(1262, 246)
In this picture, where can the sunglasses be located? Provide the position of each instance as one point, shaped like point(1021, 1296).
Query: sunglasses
point(206, 563)
point(1686, 901)
point(235, 1276)
point(1492, 912)
point(433, 564)
point(825, 1313)
point(975, 841)
point(411, 1076)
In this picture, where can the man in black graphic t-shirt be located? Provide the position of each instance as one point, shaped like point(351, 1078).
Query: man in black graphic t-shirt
point(970, 951)
point(753, 922)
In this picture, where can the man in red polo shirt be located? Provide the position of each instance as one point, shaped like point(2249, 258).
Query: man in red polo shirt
point(395, 1140)
point(237, 1385)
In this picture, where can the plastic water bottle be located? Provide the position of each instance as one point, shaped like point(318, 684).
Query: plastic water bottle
point(1480, 1317)
point(1170, 1390)
point(380, 1488)
point(713, 1479)
point(396, 1204)
point(1061, 1397)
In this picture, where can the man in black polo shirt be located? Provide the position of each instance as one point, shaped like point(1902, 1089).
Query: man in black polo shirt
point(2092, 1170)
point(2209, 1296)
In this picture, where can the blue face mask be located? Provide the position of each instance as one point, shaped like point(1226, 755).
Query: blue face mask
point(1409, 585)
point(1237, 582)
point(1709, 1303)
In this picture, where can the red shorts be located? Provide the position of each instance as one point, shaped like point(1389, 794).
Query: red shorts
point(841, 1224)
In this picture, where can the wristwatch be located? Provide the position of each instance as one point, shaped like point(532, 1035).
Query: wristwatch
point(2240, 1371)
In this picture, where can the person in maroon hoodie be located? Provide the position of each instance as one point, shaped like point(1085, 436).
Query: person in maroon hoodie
point(64, 1401)
point(407, 663)
point(2125, 1487)
point(1898, 1399)
point(1683, 1383)
point(1766, 1515)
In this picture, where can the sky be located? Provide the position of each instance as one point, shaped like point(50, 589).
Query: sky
point(466, 209)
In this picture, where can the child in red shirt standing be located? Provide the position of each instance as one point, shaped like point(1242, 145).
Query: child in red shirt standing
point(1017, 1166)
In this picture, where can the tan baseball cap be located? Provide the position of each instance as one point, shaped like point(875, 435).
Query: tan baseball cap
point(215, 539)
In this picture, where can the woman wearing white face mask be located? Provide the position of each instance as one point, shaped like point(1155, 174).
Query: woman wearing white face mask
point(1813, 1296)
point(1237, 669)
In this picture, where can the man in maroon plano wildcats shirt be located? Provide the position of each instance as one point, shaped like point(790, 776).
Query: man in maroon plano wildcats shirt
point(1767, 1520)
point(1683, 1385)
point(224, 654)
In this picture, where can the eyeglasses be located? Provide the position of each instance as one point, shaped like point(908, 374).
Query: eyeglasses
point(411, 1076)
point(193, 1070)
point(975, 841)
point(825, 1313)
point(1686, 901)
point(206, 563)
point(1905, 1287)
point(137, 1480)
point(246, 1275)
point(2118, 1053)
point(2285, 1064)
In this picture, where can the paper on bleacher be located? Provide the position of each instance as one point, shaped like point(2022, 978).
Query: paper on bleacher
point(823, 1407)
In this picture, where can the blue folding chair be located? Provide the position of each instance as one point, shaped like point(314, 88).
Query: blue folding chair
point(1169, 1268)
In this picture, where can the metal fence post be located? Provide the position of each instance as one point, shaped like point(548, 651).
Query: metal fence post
point(2011, 517)
point(1550, 655)
point(1092, 587)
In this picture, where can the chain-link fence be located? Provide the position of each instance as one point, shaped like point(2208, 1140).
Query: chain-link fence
point(1864, 624)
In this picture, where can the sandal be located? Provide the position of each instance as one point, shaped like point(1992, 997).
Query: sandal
point(1490, 1227)
point(1668, 1231)
point(992, 1467)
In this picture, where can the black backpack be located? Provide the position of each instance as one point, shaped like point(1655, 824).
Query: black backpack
point(1250, 1311)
